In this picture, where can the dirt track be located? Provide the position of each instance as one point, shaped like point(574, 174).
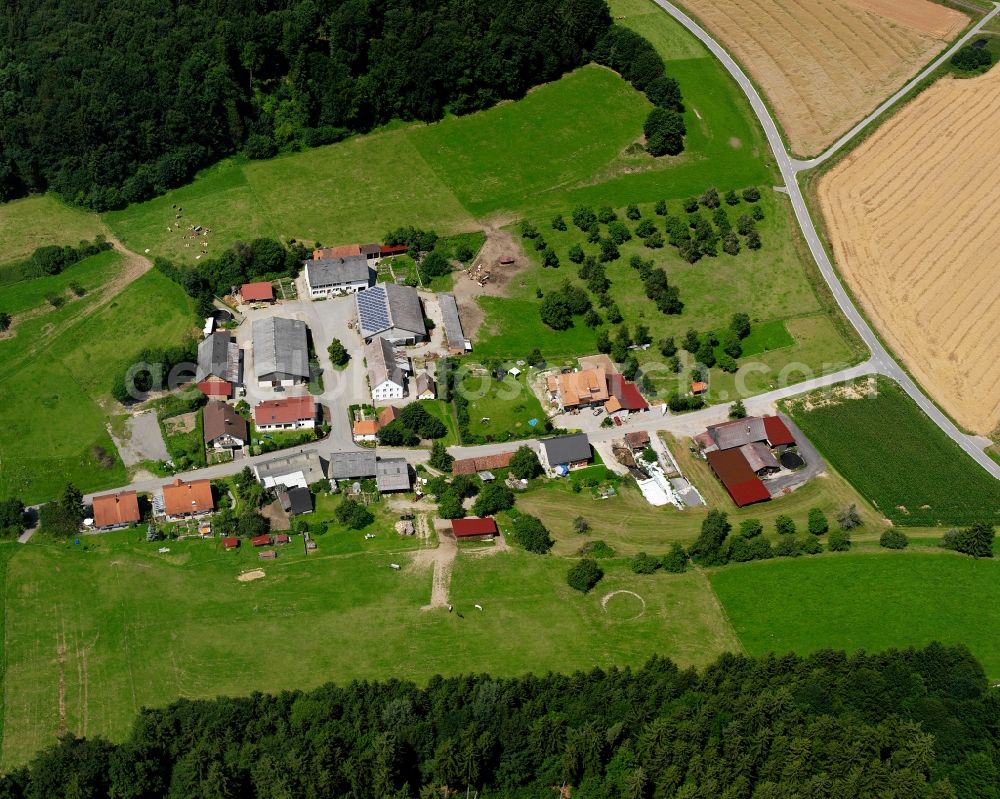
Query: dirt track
point(824, 64)
point(911, 215)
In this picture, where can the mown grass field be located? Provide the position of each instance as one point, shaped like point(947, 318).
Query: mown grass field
point(865, 601)
point(120, 626)
point(58, 374)
point(897, 458)
point(36, 221)
point(507, 405)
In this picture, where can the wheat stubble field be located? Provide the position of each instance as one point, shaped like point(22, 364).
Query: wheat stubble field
point(824, 64)
point(912, 221)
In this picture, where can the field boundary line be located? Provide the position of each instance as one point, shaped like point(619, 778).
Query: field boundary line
point(720, 607)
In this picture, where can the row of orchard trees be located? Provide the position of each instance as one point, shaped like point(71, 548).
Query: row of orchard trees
point(916, 724)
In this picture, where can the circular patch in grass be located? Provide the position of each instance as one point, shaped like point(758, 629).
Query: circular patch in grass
point(623, 605)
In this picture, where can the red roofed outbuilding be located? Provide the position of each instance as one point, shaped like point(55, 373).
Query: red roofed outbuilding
point(257, 292)
point(261, 540)
point(232, 542)
point(778, 434)
point(474, 527)
point(739, 479)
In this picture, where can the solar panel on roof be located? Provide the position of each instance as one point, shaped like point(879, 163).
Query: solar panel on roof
point(373, 309)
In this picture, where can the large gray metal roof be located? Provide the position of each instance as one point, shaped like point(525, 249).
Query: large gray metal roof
point(382, 366)
point(351, 464)
point(280, 347)
point(334, 271)
point(730, 435)
point(393, 474)
point(567, 449)
point(452, 322)
point(218, 356)
point(387, 306)
point(308, 462)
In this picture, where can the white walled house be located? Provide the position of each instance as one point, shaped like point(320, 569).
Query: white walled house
point(332, 277)
point(386, 377)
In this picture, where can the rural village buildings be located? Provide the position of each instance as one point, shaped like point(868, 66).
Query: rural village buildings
point(333, 276)
point(596, 387)
point(561, 454)
point(300, 469)
point(113, 511)
point(386, 370)
point(354, 464)
point(425, 388)
point(257, 292)
point(288, 413)
point(454, 336)
point(393, 312)
point(474, 528)
point(183, 500)
point(741, 452)
point(218, 371)
point(280, 352)
point(224, 428)
point(392, 474)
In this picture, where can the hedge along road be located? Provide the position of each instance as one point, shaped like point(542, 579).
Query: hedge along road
point(881, 361)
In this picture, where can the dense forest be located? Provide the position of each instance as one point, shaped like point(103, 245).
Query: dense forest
point(908, 725)
point(110, 103)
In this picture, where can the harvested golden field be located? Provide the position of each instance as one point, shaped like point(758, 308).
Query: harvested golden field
point(912, 218)
point(824, 64)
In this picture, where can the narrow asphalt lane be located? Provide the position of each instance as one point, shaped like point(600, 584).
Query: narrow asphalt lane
point(881, 360)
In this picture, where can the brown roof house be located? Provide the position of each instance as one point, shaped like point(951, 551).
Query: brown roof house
point(112, 511)
point(584, 389)
point(182, 500)
point(225, 429)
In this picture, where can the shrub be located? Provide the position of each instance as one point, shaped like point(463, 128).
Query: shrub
point(596, 549)
point(584, 217)
point(494, 498)
point(849, 518)
point(661, 208)
point(644, 564)
point(971, 59)
point(524, 465)
point(558, 223)
point(751, 528)
point(584, 575)
point(576, 254)
point(664, 129)
point(708, 550)
point(528, 531)
point(676, 560)
point(353, 514)
point(976, 540)
point(817, 522)
point(787, 547)
point(839, 541)
point(784, 525)
point(528, 230)
point(809, 545)
point(258, 147)
point(893, 539)
point(752, 194)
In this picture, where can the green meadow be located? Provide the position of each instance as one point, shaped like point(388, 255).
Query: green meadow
point(59, 369)
point(565, 143)
point(897, 457)
point(36, 221)
point(864, 601)
point(93, 634)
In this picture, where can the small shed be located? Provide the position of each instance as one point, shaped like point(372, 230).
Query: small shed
point(474, 528)
point(261, 541)
point(699, 387)
point(230, 542)
point(268, 555)
point(282, 538)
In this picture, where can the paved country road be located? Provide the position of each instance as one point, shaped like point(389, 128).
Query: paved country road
point(881, 361)
point(686, 424)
